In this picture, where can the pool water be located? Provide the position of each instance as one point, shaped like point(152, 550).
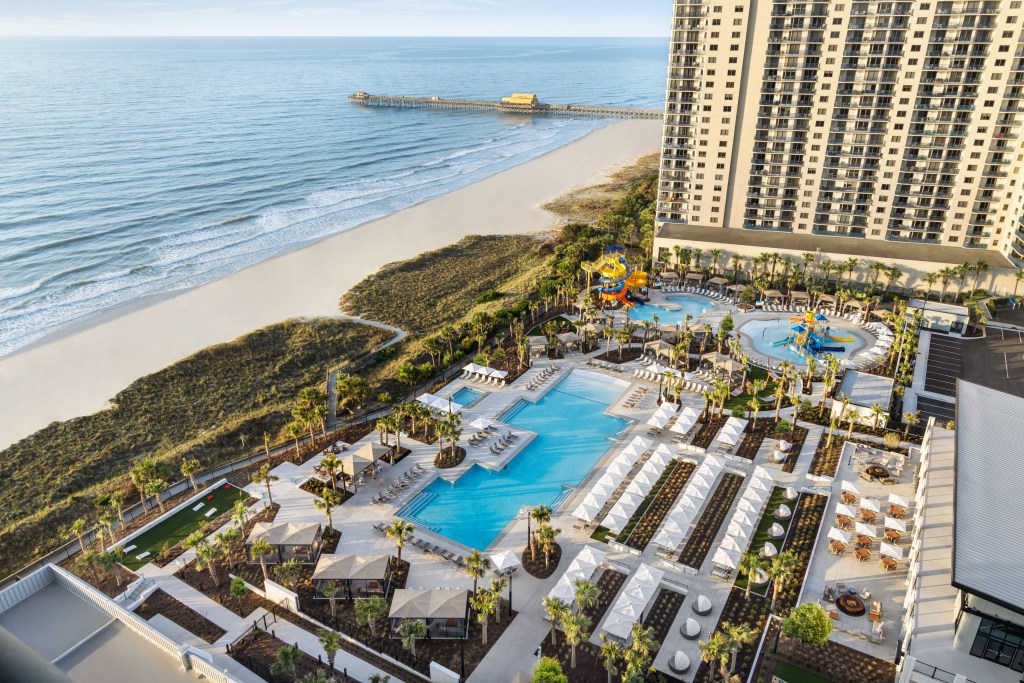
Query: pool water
point(573, 434)
point(765, 336)
point(695, 306)
point(467, 396)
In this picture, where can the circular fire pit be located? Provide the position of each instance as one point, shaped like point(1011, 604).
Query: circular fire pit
point(876, 472)
point(851, 605)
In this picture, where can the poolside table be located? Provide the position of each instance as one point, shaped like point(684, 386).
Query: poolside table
point(837, 547)
point(862, 554)
point(897, 511)
point(842, 521)
point(848, 498)
point(864, 541)
point(888, 564)
point(892, 535)
point(867, 515)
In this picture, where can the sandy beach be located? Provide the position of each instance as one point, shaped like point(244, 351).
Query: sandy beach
point(76, 371)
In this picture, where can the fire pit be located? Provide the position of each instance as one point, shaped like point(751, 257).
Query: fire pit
point(876, 472)
point(851, 605)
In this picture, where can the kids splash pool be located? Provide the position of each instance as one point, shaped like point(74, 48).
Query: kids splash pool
point(689, 304)
point(767, 338)
point(573, 434)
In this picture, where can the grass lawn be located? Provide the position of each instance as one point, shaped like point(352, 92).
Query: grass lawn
point(182, 523)
point(602, 534)
point(740, 402)
point(777, 497)
point(792, 674)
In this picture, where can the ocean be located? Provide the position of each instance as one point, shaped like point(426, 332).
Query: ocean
point(132, 167)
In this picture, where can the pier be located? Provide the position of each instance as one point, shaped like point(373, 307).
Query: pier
point(521, 104)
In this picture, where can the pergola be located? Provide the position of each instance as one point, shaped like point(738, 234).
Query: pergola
point(569, 339)
point(660, 348)
point(354, 463)
point(826, 299)
point(300, 541)
point(445, 611)
point(855, 303)
point(721, 361)
point(695, 276)
point(739, 289)
point(718, 281)
point(670, 275)
point(795, 295)
point(772, 294)
point(358, 575)
point(538, 345)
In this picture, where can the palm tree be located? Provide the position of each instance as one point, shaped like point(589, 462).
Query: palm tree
point(288, 658)
point(326, 505)
point(411, 630)
point(110, 561)
point(877, 411)
point(930, 279)
point(749, 564)
point(330, 591)
point(586, 593)
point(979, 268)
point(86, 562)
point(241, 513)
point(369, 610)
point(321, 676)
point(295, 431)
point(330, 641)
point(833, 422)
point(117, 500)
point(911, 419)
point(542, 515)
point(399, 532)
point(576, 627)
point(736, 636)
point(851, 417)
point(226, 539)
point(611, 654)
point(154, 487)
point(713, 653)
point(78, 529)
point(329, 467)
point(546, 539)
point(781, 570)
point(555, 609)
point(288, 572)
point(263, 476)
point(485, 603)
point(477, 566)
point(190, 467)
point(1018, 278)
point(206, 558)
point(497, 586)
point(260, 549)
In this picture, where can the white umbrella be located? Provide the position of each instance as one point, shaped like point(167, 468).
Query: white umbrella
point(602, 490)
point(504, 561)
point(699, 481)
point(754, 494)
point(619, 468)
point(738, 531)
point(732, 544)
point(769, 550)
point(791, 493)
point(587, 511)
point(481, 423)
point(891, 551)
point(747, 506)
point(845, 510)
point(837, 534)
point(728, 437)
point(696, 493)
point(758, 485)
point(658, 420)
point(869, 504)
point(897, 524)
point(607, 480)
point(865, 529)
point(776, 530)
point(740, 517)
point(762, 473)
point(895, 499)
point(783, 512)
point(725, 558)
point(850, 487)
point(687, 503)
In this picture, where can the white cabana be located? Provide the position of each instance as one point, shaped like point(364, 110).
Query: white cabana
point(862, 529)
point(888, 550)
point(896, 524)
point(783, 512)
point(583, 567)
point(837, 534)
point(769, 550)
point(776, 531)
point(632, 602)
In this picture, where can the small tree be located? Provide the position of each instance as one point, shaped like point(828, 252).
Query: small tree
point(485, 603)
point(77, 529)
point(476, 566)
point(206, 558)
point(808, 623)
point(326, 505)
point(750, 563)
point(86, 562)
point(288, 572)
point(330, 641)
point(555, 609)
point(546, 539)
point(263, 476)
point(226, 540)
point(190, 467)
point(369, 610)
point(288, 658)
point(260, 550)
point(110, 560)
point(576, 627)
point(410, 631)
point(611, 654)
point(399, 532)
point(548, 671)
point(330, 591)
point(585, 593)
point(238, 587)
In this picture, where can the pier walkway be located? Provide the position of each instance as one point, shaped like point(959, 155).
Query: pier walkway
point(504, 107)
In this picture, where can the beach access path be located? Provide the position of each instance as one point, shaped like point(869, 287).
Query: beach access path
point(101, 356)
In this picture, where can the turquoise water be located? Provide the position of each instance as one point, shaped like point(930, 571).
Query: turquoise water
point(765, 334)
point(573, 433)
point(467, 396)
point(696, 306)
point(138, 166)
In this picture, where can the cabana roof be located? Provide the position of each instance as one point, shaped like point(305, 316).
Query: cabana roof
point(285, 533)
point(717, 281)
point(737, 288)
point(694, 276)
point(660, 347)
point(670, 275)
point(568, 337)
point(429, 603)
point(827, 297)
point(537, 340)
point(350, 566)
point(354, 462)
point(772, 294)
point(797, 294)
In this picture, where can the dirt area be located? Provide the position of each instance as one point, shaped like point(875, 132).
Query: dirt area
point(259, 652)
point(182, 615)
point(536, 568)
point(107, 583)
point(445, 460)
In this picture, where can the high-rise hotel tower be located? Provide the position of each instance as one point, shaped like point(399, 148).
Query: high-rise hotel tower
point(897, 121)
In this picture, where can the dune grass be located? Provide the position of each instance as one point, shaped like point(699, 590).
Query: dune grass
point(202, 407)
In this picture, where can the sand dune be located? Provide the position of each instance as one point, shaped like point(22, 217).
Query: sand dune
point(76, 371)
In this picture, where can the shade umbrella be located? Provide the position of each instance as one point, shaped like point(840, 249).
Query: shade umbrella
point(890, 551)
point(783, 512)
point(602, 489)
point(732, 544)
point(504, 561)
point(738, 531)
point(837, 534)
point(769, 550)
point(619, 468)
point(481, 423)
point(686, 503)
point(747, 506)
point(696, 493)
point(869, 504)
point(791, 493)
point(758, 485)
point(895, 499)
point(894, 523)
point(850, 487)
point(754, 495)
point(862, 529)
point(587, 511)
point(658, 420)
point(845, 510)
point(763, 473)
point(741, 517)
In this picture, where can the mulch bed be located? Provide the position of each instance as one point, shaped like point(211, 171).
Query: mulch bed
point(699, 543)
point(757, 431)
point(259, 652)
point(628, 354)
point(655, 513)
point(663, 612)
point(181, 614)
point(826, 459)
point(444, 460)
point(797, 437)
point(754, 611)
point(708, 430)
point(106, 583)
point(833, 661)
point(536, 568)
point(316, 487)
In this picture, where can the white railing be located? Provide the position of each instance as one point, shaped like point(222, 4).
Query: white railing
point(211, 672)
point(26, 588)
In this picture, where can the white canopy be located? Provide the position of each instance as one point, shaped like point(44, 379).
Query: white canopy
point(891, 551)
point(865, 529)
point(619, 468)
point(894, 523)
point(837, 534)
point(791, 493)
point(754, 494)
point(850, 487)
point(762, 473)
point(740, 517)
point(481, 423)
point(746, 506)
point(729, 437)
point(895, 499)
point(869, 504)
point(687, 503)
point(758, 485)
point(632, 602)
point(845, 510)
point(726, 558)
point(700, 481)
point(738, 531)
point(783, 512)
point(671, 534)
point(658, 420)
point(732, 544)
point(583, 567)
point(505, 561)
point(659, 460)
point(587, 510)
point(684, 423)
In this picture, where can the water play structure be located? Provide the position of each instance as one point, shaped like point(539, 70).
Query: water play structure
point(811, 336)
point(617, 278)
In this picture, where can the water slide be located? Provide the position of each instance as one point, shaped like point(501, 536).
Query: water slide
point(616, 277)
point(834, 338)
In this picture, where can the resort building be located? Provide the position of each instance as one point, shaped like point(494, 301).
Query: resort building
point(864, 391)
point(964, 607)
point(894, 125)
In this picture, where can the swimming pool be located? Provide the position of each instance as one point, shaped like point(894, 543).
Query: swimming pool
point(467, 396)
point(766, 337)
point(573, 433)
point(695, 306)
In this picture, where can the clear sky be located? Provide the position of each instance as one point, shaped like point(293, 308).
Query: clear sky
point(335, 17)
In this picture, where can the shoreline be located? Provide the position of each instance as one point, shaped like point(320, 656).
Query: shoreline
point(92, 359)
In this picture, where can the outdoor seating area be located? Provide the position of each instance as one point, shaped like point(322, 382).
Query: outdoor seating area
point(694, 286)
point(398, 487)
point(299, 541)
point(582, 568)
point(640, 589)
point(354, 576)
point(636, 491)
point(612, 482)
point(484, 375)
point(427, 547)
point(661, 417)
point(678, 521)
point(444, 611)
point(637, 397)
point(740, 531)
point(542, 378)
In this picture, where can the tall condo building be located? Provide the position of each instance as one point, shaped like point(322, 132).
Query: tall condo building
point(895, 121)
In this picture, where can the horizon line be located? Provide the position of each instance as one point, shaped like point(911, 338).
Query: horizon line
point(147, 35)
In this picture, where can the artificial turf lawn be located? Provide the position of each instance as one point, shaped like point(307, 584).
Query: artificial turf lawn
point(792, 674)
point(760, 537)
point(181, 524)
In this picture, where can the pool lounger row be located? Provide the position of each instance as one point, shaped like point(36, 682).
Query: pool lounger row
point(542, 378)
point(428, 547)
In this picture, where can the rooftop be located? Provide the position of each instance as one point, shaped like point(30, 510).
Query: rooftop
point(864, 389)
point(988, 548)
point(938, 307)
point(854, 246)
